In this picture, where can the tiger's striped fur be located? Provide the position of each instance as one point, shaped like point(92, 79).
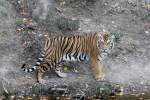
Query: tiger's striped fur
point(72, 48)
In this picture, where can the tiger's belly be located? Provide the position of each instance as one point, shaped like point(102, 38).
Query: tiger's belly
point(74, 57)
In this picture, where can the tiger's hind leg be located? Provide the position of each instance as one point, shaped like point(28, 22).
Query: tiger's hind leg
point(39, 77)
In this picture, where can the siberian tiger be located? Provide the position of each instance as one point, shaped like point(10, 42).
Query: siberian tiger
point(89, 47)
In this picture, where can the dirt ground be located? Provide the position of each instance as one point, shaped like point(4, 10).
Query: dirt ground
point(25, 23)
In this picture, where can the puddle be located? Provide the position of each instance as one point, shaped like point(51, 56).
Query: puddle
point(138, 96)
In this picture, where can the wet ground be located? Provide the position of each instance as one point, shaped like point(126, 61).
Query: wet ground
point(25, 23)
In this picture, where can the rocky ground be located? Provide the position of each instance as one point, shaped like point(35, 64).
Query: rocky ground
point(25, 23)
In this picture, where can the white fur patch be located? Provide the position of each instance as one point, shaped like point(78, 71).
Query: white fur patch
point(26, 70)
point(30, 70)
point(42, 55)
point(72, 58)
point(38, 63)
point(34, 67)
point(41, 59)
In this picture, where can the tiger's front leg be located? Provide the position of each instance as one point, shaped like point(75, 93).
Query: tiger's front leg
point(97, 68)
point(39, 77)
point(95, 63)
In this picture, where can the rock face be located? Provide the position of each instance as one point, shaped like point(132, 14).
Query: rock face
point(127, 64)
point(9, 44)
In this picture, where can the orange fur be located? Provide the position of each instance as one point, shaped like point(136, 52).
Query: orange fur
point(55, 48)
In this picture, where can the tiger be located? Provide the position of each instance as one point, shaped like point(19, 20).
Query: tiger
point(87, 47)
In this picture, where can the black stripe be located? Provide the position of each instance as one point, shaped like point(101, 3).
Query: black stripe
point(32, 69)
point(71, 48)
point(45, 68)
point(70, 56)
point(66, 56)
point(52, 64)
point(61, 47)
point(64, 45)
point(50, 47)
point(40, 61)
point(23, 66)
point(37, 64)
point(80, 58)
point(85, 56)
point(82, 55)
point(75, 54)
point(24, 70)
point(76, 51)
point(29, 71)
point(48, 64)
point(47, 42)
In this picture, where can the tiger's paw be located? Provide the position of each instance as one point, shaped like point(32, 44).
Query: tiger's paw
point(61, 74)
point(100, 77)
point(41, 81)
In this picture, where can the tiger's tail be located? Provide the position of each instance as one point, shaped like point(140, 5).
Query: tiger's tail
point(33, 68)
point(28, 70)
point(38, 63)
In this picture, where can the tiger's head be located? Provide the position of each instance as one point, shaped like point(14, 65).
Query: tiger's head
point(107, 42)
